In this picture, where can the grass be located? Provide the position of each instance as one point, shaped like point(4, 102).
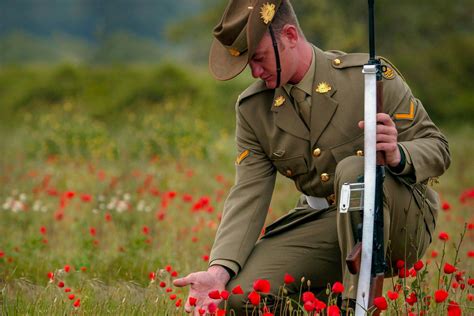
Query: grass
point(148, 184)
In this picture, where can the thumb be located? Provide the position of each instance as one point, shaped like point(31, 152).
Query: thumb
point(361, 124)
point(183, 281)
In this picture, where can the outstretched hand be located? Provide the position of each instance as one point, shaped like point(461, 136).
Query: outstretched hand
point(387, 136)
point(203, 282)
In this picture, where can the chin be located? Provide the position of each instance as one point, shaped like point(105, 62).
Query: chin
point(270, 84)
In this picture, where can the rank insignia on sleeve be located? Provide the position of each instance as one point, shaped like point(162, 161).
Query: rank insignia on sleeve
point(267, 12)
point(407, 116)
point(242, 156)
point(279, 101)
point(388, 73)
point(323, 87)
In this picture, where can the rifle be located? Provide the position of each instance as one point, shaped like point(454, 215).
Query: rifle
point(372, 264)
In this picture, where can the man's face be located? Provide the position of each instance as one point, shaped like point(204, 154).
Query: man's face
point(263, 64)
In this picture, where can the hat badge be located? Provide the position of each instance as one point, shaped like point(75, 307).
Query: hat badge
point(267, 12)
point(323, 87)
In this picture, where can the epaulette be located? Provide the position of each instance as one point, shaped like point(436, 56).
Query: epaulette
point(255, 88)
point(359, 59)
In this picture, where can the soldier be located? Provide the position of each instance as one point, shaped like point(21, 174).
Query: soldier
point(303, 117)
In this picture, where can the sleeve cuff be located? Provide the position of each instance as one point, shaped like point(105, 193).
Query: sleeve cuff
point(228, 264)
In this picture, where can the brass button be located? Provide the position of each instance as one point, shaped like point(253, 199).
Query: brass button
point(337, 62)
point(324, 177)
point(289, 173)
point(317, 152)
point(331, 199)
point(360, 153)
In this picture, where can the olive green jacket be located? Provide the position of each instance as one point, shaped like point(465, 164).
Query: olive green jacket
point(271, 137)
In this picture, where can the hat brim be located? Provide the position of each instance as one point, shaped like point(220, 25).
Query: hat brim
point(223, 65)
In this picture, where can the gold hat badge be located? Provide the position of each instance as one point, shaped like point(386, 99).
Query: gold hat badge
point(323, 87)
point(267, 12)
point(279, 101)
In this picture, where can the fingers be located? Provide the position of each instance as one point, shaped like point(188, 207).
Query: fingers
point(187, 280)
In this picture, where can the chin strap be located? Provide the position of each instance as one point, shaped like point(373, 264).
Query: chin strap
point(277, 55)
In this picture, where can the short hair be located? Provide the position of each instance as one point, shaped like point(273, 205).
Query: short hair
point(285, 15)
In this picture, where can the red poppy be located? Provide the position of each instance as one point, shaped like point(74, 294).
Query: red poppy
point(77, 303)
point(145, 230)
point(254, 298)
point(43, 230)
point(71, 296)
point(86, 197)
point(225, 295)
point(308, 306)
point(400, 264)
point(92, 231)
point(61, 284)
point(67, 290)
point(440, 296)
point(211, 308)
point(168, 268)
point(201, 311)
point(470, 253)
point(448, 269)
point(454, 309)
point(69, 194)
point(443, 236)
point(446, 206)
point(172, 297)
point(308, 297)
point(237, 290)
point(403, 273)
point(178, 303)
point(162, 284)
point(50, 275)
point(288, 279)
point(174, 274)
point(67, 268)
point(470, 281)
point(381, 303)
point(411, 299)
point(470, 297)
point(261, 286)
point(205, 258)
point(151, 276)
point(337, 287)
point(392, 295)
point(333, 310)
point(192, 301)
point(320, 305)
point(418, 265)
point(108, 217)
point(214, 294)
point(434, 254)
point(2, 254)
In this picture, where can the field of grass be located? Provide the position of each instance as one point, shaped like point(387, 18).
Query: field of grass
point(113, 216)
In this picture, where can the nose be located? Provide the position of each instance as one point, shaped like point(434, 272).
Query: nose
point(256, 70)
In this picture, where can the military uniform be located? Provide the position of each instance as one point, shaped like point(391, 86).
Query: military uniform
point(271, 137)
point(319, 156)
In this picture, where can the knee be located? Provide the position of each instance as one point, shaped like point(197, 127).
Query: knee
point(348, 170)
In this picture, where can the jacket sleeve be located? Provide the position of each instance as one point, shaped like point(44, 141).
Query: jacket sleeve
point(246, 207)
point(425, 147)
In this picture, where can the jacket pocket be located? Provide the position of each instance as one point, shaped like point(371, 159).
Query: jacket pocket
point(291, 167)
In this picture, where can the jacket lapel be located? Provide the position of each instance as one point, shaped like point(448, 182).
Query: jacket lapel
point(286, 117)
point(323, 105)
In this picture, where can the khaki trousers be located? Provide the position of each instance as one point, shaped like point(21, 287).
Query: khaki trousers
point(314, 243)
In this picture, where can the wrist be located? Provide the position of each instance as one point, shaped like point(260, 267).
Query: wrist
point(220, 272)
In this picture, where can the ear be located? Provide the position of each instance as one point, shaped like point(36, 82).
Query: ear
point(290, 34)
